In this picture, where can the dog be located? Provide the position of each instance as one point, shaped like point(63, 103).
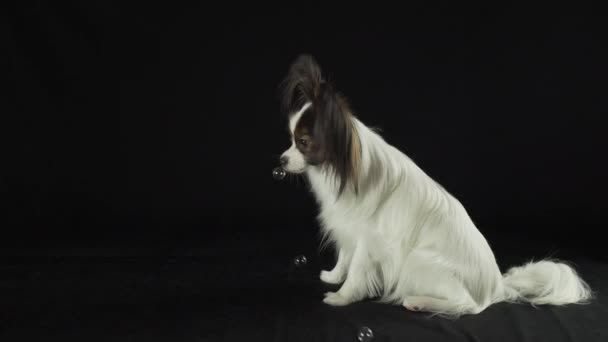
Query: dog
point(399, 236)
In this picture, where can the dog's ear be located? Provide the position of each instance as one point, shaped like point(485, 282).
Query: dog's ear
point(301, 84)
point(334, 128)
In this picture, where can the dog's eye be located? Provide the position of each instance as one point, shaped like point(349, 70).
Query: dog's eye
point(303, 142)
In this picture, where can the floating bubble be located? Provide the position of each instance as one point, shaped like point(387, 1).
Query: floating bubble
point(278, 173)
point(365, 334)
point(300, 260)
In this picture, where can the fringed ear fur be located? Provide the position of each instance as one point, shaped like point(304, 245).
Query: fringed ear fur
point(301, 85)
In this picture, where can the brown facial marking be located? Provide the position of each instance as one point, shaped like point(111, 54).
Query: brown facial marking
point(305, 140)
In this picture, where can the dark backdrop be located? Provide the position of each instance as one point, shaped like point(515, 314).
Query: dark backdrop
point(160, 122)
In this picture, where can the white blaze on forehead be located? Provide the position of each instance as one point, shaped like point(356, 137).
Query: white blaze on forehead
point(294, 119)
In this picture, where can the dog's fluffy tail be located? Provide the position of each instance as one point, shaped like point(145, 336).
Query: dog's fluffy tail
point(546, 282)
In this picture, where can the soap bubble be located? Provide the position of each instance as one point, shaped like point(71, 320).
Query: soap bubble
point(365, 334)
point(300, 260)
point(278, 173)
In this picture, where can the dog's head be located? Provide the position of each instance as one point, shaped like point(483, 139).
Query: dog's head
point(320, 123)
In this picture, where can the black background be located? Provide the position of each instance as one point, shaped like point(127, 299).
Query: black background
point(154, 114)
point(158, 125)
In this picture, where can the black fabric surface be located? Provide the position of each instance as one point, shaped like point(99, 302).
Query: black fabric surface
point(250, 290)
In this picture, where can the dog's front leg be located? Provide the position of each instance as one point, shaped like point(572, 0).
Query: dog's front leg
point(355, 286)
point(338, 273)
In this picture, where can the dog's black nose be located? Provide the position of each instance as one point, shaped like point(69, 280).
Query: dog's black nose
point(284, 160)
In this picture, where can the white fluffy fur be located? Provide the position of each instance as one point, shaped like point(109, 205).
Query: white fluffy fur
point(405, 240)
point(297, 163)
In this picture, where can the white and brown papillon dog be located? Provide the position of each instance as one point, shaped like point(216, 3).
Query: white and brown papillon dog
point(400, 237)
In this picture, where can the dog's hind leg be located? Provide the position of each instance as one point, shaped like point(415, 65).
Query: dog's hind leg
point(439, 306)
point(434, 288)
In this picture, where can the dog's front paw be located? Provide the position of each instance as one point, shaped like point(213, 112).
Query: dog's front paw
point(335, 299)
point(331, 277)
